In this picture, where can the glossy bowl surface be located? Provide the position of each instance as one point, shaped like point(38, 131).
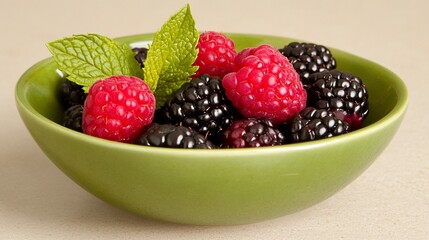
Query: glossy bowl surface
point(224, 186)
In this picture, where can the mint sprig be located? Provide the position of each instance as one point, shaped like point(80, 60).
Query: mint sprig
point(87, 58)
point(171, 55)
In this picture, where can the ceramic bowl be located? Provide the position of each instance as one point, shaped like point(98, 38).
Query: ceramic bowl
point(213, 187)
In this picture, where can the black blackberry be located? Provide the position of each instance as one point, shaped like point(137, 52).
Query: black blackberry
point(73, 117)
point(172, 136)
point(308, 58)
point(252, 132)
point(141, 54)
point(342, 93)
point(71, 93)
point(312, 124)
point(202, 105)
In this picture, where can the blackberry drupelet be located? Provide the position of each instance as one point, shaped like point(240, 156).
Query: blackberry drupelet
point(308, 58)
point(342, 93)
point(172, 136)
point(73, 118)
point(202, 105)
point(312, 124)
point(71, 93)
point(252, 132)
point(140, 55)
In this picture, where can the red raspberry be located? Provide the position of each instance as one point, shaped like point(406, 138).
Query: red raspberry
point(265, 85)
point(216, 53)
point(117, 108)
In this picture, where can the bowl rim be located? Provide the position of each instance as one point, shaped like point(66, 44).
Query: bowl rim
point(392, 116)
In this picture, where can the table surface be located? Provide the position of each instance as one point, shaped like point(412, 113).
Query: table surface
point(388, 201)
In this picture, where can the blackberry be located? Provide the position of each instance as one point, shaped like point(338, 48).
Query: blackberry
point(342, 93)
point(252, 132)
point(172, 136)
point(312, 124)
point(73, 118)
point(71, 93)
point(308, 58)
point(140, 55)
point(202, 105)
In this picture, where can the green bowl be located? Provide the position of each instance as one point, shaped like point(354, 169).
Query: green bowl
point(213, 187)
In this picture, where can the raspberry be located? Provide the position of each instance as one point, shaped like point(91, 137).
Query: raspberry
point(252, 133)
point(265, 85)
point(202, 105)
point(117, 108)
point(167, 135)
point(312, 124)
point(216, 54)
point(308, 58)
point(340, 92)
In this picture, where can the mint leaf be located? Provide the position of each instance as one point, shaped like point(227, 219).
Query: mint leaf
point(88, 58)
point(170, 57)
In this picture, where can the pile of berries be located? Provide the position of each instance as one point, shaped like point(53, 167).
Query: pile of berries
point(260, 96)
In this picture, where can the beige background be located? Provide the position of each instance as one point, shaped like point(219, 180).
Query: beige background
point(389, 201)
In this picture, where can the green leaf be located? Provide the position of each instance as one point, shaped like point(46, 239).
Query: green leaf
point(170, 57)
point(87, 58)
